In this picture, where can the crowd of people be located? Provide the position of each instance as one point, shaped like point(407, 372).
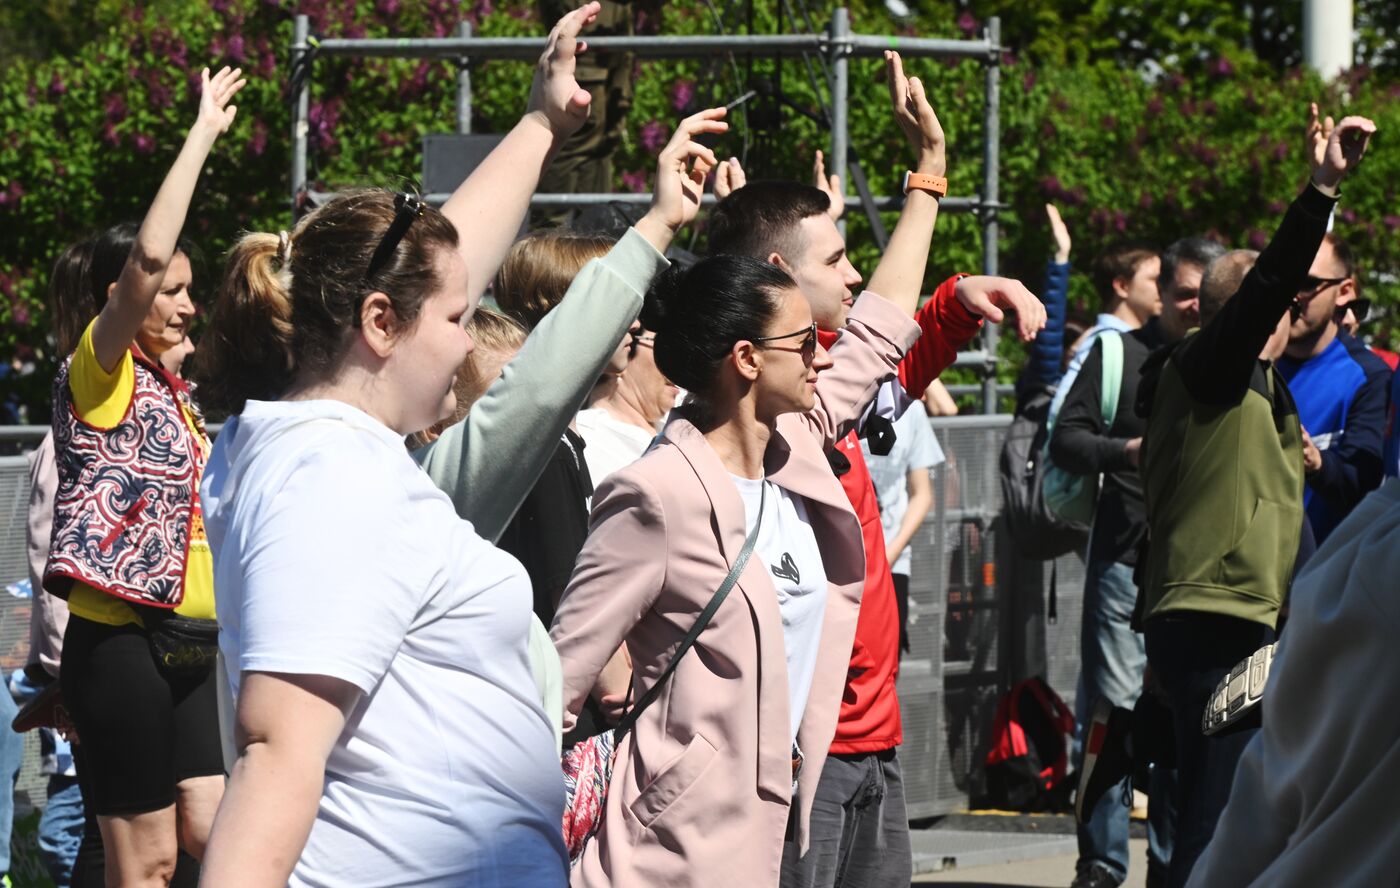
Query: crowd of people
point(649, 518)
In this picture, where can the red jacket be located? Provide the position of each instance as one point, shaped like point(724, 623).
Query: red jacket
point(869, 720)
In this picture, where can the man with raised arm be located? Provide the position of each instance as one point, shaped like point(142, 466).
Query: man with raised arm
point(859, 832)
point(1222, 468)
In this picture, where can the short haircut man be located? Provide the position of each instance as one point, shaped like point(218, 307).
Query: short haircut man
point(1179, 283)
point(1342, 390)
point(1222, 279)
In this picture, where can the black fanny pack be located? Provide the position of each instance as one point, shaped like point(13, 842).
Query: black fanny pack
point(183, 646)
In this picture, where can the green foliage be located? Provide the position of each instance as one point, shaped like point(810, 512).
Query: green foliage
point(1212, 143)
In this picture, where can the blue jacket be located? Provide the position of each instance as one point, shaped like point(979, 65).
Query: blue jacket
point(1342, 395)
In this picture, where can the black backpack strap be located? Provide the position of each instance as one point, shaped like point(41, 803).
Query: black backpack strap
point(701, 622)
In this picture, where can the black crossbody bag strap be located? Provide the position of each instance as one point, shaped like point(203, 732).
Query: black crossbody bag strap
point(701, 622)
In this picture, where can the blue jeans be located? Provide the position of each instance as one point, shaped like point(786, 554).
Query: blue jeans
point(11, 755)
point(61, 829)
point(1112, 659)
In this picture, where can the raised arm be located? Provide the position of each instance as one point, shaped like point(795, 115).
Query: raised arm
point(900, 275)
point(490, 205)
point(1044, 360)
point(1216, 364)
point(489, 461)
point(135, 291)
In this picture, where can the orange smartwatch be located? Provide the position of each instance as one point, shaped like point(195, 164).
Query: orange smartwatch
point(935, 185)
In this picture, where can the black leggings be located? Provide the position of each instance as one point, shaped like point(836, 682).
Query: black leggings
point(142, 730)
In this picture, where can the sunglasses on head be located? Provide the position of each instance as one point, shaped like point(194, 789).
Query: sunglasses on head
point(407, 207)
point(807, 347)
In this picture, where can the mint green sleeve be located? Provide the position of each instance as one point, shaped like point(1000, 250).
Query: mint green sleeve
point(488, 462)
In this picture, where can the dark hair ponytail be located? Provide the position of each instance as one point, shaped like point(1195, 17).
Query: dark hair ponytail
point(700, 312)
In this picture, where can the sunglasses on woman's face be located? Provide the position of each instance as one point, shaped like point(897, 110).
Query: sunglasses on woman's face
point(807, 347)
point(637, 339)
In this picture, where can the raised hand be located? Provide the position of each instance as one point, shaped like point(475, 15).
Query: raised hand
point(1316, 136)
point(1059, 232)
point(729, 178)
point(681, 168)
point(829, 184)
point(215, 112)
point(991, 297)
point(916, 117)
point(555, 96)
point(1345, 146)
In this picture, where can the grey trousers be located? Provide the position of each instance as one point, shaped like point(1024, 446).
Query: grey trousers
point(859, 832)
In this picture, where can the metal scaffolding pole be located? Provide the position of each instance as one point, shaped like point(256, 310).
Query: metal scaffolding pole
point(301, 108)
point(991, 159)
point(464, 83)
point(838, 45)
point(840, 56)
point(658, 46)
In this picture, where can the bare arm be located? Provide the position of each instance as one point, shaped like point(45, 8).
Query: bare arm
point(900, 275)
point(489, 206)
point(920, 501)
point(938, 401)
point(135, 290)
point(287, 727)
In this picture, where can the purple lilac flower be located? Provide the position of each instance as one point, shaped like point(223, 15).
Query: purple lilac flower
point(57, 87)
point(635, 181)
point(144, 144)
point(387, 8)
point(1222, 67)
point(235, 49)
point(682, 92)
point(653, 136)
point(967, 23)
point(115, 108)
point(1392, 222)
point(257, 143)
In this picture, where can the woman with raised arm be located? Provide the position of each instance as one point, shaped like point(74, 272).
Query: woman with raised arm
point(389, 730)
point(128, 550)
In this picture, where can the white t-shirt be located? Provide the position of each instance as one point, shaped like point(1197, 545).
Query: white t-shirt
point(915, 447)
point(788, 548)
point(336, 555)
point(612, 444)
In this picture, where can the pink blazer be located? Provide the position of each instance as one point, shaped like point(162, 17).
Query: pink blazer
point(702, 788)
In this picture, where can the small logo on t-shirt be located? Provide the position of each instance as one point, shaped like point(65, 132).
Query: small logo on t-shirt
point(787, 569)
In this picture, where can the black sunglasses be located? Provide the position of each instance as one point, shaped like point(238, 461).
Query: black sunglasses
point(1313, 284)
point(407, 207)
point(807, 348)
point(636, 339)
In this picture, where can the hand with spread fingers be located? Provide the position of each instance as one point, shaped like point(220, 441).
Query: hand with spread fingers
point(681, 169)
point(991, 297)
point(916, 117)
point(215, 112)
point(555, 95)
point(831, 185)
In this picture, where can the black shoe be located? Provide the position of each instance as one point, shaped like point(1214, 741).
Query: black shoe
point(1106, 758)
point(1093, 876)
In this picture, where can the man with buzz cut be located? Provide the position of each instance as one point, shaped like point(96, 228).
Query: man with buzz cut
point(1223, 478)
point(859, 832)
point(1341, 388)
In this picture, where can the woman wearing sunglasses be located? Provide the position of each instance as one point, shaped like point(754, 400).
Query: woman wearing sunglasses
point(703, 784)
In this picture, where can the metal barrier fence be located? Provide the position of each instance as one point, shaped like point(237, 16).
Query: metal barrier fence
point(30, 791)
point(977, 617)
point(977, 622)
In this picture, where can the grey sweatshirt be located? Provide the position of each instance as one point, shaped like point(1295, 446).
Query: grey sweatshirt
point(1313, 802)
point(489, 461)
